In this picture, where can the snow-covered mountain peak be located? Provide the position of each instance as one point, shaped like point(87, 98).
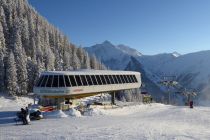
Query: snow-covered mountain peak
point(106, 42)
point(114, 56)
point(128, 50)
point(104, 45)
point(176, 54)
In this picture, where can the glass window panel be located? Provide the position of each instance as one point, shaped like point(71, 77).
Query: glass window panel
point(68, 84)
point(129, 79)
point(119, 79)
point(40, 81)
point(72, 80)
point(126, 80)
point(132, 80)
point(115, 79)
point(89, 80)
point(49, 81)
point(134, 77)
point(103, 79)
point(79, 83)
point(55, 81)
point(107, 79)
point(61, 81)
point(99, 79)
point(111, 79)
point(123, 80)
point(44, 81)
point(94, 79)
point(84, 81)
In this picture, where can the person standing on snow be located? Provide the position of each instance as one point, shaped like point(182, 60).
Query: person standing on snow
point(22, 116)
point(27, 116)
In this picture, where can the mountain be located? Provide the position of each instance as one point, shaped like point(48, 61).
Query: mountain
point(148, 85)
point(29, 44)
point(114, 57)
point(122, 57)
point(191, 70)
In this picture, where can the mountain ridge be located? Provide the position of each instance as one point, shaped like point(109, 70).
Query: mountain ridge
point(190, 69)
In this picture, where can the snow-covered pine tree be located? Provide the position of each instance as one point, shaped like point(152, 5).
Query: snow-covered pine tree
point(11, 75)
point(35, 44)
point(25, 36)
point(4, 24)
point(58, 64)
point(94, 62)
point(66, 61)
point(2, 52)
point(20, 58)
point(75, 60)
point(49, 59)
point(80, 55)
point(2, 74)
point(86, 64)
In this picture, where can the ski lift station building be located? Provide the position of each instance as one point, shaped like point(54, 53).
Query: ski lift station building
point(84, 83)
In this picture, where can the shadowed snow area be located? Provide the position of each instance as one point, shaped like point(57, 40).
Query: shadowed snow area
point(151, 121)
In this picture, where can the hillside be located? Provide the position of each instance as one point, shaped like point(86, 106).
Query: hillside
point(191, 70)
point(148, 85)
point(29, 45)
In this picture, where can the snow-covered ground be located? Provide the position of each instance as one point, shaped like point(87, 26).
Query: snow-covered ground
point(151, 121)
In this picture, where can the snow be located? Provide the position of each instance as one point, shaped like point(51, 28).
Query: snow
point(14, 103)
point(73, 112)
point(140, 121)
point(55, 114)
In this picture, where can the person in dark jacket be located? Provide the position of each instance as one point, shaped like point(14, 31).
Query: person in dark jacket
point(191, 104)
point(23, 116)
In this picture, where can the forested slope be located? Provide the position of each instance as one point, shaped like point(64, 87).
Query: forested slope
point(29, 45)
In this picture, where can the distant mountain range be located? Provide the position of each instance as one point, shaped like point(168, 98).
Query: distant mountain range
point(191, 70)
point(114, 57)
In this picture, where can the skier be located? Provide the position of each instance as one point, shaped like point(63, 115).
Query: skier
point(22, 116)
point(27, 116)
point(191, 104)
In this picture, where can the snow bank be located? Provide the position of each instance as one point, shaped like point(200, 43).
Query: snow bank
point(8, 102)
point(73, 112)
point(94, 112)
point(55, 114)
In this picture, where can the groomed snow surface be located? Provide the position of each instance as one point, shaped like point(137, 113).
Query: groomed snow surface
point(140, 122)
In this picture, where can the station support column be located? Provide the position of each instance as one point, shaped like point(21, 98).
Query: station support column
point(113, 98)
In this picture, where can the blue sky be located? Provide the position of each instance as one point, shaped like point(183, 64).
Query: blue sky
point(150, 26)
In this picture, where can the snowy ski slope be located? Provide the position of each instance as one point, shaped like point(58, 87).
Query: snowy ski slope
point(147, 122)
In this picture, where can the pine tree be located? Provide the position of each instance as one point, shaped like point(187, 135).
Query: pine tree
point(20, 58)
point(2, 52)
point(4, 25)
point(58, 63)
point(2, 74)
point(86, 61)
point(2, 40)
point(11, 75)
point(75, 60)
point(36, 46)
point(32, 73)
point(49, 59)
point(66, 61)
point(94, 62)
